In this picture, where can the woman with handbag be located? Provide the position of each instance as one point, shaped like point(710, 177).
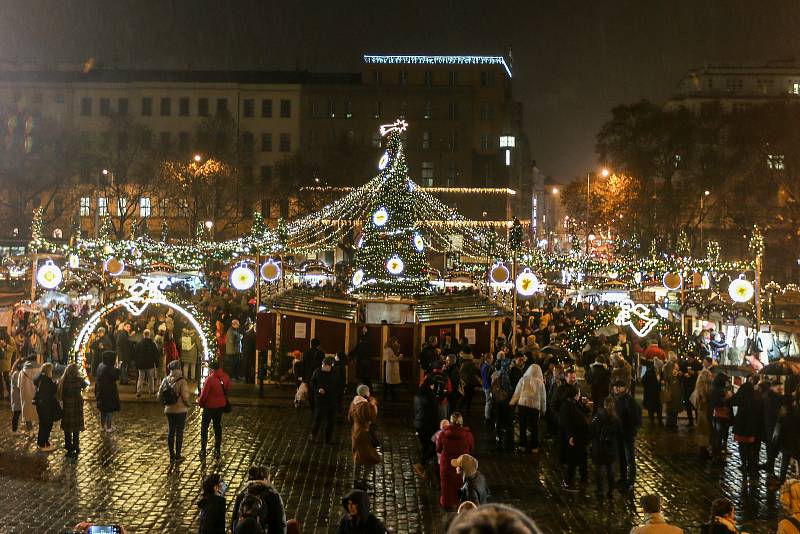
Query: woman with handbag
point(69, 393)
point(47, 406)
point(213, 400)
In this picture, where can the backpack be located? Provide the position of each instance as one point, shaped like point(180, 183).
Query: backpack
point(439, 382)
point(498, 393)
point(167, 392)
point(606, 436)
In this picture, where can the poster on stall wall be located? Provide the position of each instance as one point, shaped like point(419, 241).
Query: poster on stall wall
point(299, 330)
point(469, 333)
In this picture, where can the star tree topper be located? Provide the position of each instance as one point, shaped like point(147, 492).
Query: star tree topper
point(399, 125)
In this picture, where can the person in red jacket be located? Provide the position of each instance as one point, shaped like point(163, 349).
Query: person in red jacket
point(170, 350)
point(454, 441)
point(213, 400)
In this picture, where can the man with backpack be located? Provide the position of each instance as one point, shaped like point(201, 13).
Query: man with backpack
point(174, 395)
point(271, 515)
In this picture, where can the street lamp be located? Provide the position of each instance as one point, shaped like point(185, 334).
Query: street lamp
point(555, 191)
point(702, 216)
point(604, 172)
point(209, 228)
point(197, 158)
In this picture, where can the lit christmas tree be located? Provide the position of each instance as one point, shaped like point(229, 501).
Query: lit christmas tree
point(683, 248)
point(390, 258)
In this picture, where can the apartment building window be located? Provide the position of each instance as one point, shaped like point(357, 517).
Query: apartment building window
point(86, 106)
point(286, 108)
point(427, 110)
point(164, 140)
point(122, 106)
point(265, 175)
point(266, 108)
point(733, 85)
point(452, 174)
point(102, 206)
point(183, 140)
point(348, 110)
point(222, 106)
point(147, 106)
point(426, 140)
point(452, 110)
point(146, 141)
point(85, 206)
point(403, 79)
point(487, 78)
point(764, 87)
point(428, 78)
point(452, 142)
point(166, 107)
point(487, 112)
point(122, 206)
point(202, 107)
point(775, 162)
point(376, 110)
point(163, 207)
point(266, 142)
point(403, 109)
point(452, 78)
point(183, 207)
point(105, 107)
point(710, 83)
point(376, 140)
point(487, 141)
point(738, 107)
point(377, 77)
point(248, 141)
point(144, 207)
point(285, 143)
point(183, 106)
point(248, 108)
point(331, 108)
point(59, 98)
point(427, 173)
point(794, 87)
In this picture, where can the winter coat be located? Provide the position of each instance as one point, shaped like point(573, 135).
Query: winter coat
point(746, 423)
point(105, 387)
point(475, 488)
point(788, 438)
point(605, 431)
point(27, 390)
point(572, 424)
point(452, 443)
point(312, 360)
point(675, 388)
point(181, 387)
point(622, 373)
point(47, 405)
point(248, 525)
point(363, 414)
point(16, 399)
point(146, 354)
point(273, 515)
point(364, 522)
point(326, 381)
point(702, 390)
point(655, 524)
point(392, 363)
point(361, 356)
point(72, 402)
point(170, 353)
point(233, 342)
point(124, 346)
point(470, 376)
point(212, 514)
point(426, 411)
point(530, 391)
point(630, 415)
point(652, 390)
point(213, 395)
point(771, 407)
point(600, 381)
point(486, 375)
point(188, 347)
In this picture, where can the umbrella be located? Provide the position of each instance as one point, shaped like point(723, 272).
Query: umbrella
point(782, 368)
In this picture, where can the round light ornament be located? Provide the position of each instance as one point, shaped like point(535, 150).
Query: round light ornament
point(499, 274)
point(380, 217)
point(741, 290)
point(49, 275)
point(114, 266)
point(526, 283)
point(384, 161)
point(242, 278)
point(270, 271)
point(358, 277)
point(419, 243)
point(672, 281)
point(395, 265)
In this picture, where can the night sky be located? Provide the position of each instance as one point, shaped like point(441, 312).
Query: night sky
point(573, 60)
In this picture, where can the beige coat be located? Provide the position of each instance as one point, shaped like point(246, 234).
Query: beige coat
point(27, 390)
point(392, 362)
point(176, 379)
point(655, 524)
point(362, 414)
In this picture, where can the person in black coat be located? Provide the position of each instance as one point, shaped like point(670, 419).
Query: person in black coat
point(606, 430)
point(600, 381)
point(323, 387)
point(147, 357)
point(746, 425)
point(105, 389)
point(574, 437)
point(271, 515)
point(357, 518)
point(719, 407)
point(312, 360)
point(47, 406)
point(630, 417)
point(124, 350)
point(426, 423)
point(773, 400)
point(652, 394)
point(212, 506)
point(360, 354)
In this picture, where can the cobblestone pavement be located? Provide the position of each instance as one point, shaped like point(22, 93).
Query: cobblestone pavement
point(123, 477)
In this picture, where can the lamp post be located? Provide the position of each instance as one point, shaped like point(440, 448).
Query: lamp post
point(210, 229)
point(702, 216)
point(604, 173)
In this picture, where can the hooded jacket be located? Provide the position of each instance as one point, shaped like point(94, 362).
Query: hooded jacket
point(273, 515)
point(530, 390)
point(212, 514)
point(364, 522)
point(105, 387)
point(475, 488)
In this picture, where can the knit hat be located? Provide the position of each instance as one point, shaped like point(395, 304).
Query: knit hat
point(467, 463)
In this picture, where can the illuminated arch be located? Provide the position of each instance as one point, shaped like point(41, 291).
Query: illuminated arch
point(136, 305)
